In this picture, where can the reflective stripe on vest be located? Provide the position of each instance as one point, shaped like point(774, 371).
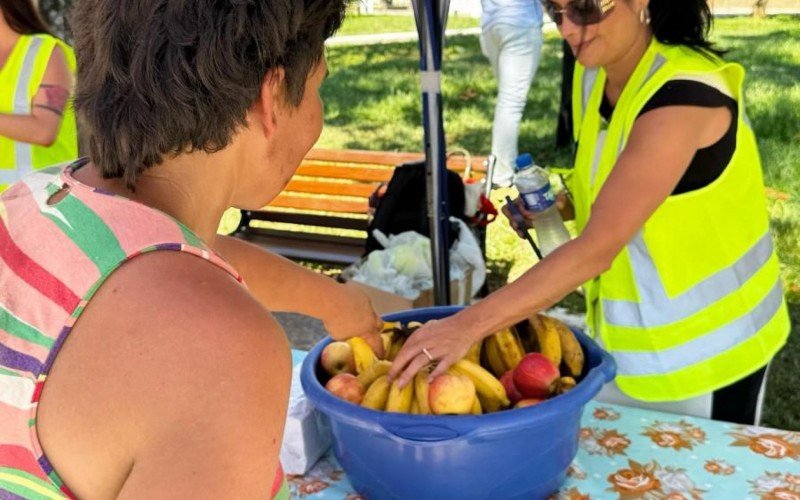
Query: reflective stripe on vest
point(588, 81)
point(23, 151)
point(589, 77)
point(655, 308)
point(702, 348)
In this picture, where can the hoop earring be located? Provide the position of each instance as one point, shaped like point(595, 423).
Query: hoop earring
point(644, 15)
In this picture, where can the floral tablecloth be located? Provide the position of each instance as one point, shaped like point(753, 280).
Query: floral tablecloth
point(632, 453)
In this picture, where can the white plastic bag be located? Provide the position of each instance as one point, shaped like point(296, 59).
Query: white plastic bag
point(307, 435)
point(404, 267)
point(465, 254)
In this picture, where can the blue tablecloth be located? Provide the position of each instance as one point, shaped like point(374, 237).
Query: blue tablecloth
point(633, 453)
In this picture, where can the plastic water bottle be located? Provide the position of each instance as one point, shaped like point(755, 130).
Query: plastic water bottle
point(537, 195)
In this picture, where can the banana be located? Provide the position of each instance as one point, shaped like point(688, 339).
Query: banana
point(535, 324)
point(510, 348)
point(573, 356)
point(493, 359)
point(476, 407)
point(377, 394)
point(421, 392)
point(397, 344)
point(565, 384)
point(391, 326)
point(399, 400)
point(362, 353)
point(489, 405)
point(371, 374)
point(486, 384)
point(386, 338)
point(474, 353)
point(414, 407)
point(548, 337)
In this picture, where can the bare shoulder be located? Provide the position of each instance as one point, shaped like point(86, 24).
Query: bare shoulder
point(189, 382)
point(691, 127)
point(58, 71)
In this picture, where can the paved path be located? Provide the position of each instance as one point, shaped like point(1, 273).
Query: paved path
point(303, 331)
point(410, 36)
point(379, 38)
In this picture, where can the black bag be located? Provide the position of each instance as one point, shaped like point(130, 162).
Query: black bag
point(403, 207)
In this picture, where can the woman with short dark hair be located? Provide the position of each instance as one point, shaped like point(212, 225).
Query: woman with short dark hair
point(674, 251)
point(138, 355)
point(37, 123)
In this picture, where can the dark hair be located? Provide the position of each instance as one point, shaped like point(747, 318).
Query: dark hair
point(169, 76)
point(683, 22)
point(22, 17)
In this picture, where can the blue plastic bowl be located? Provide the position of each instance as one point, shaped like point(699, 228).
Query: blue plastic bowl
point(522, 453)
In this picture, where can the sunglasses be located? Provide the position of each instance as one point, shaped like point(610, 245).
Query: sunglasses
point(580, 12)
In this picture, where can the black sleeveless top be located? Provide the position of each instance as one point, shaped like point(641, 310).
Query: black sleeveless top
point(708, 163)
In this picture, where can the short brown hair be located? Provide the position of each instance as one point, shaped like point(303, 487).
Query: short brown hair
point(161, 77)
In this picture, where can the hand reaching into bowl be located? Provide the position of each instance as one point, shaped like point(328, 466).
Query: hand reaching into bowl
point(440, 342)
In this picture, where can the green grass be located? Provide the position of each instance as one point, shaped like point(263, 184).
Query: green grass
point(372, 102)
point(371, 24)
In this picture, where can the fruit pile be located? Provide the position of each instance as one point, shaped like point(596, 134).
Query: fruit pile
point(516, 367)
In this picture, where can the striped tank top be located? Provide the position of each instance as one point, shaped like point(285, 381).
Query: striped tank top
point(53, 258)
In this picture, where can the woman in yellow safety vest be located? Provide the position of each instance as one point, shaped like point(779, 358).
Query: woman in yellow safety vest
point(674, 251)
point(37, 125)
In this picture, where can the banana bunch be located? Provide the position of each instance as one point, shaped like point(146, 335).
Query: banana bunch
point(413, 399)
point(384, 396)
point(557, 343)
point(484, 364)
point(503, 351)
point(491, 393)
point(394, 335)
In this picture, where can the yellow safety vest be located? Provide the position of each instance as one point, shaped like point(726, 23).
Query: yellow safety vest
point(694, 302)
point(20, 79)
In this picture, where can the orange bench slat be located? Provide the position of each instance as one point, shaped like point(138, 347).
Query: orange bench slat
point(387, 158)
point(285, 200)
point(359, 190)
point(363, 174)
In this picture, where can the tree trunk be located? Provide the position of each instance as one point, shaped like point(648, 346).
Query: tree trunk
point(760, 8)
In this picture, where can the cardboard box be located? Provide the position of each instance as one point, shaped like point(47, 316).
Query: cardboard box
point(385, 302)
point(460, 293)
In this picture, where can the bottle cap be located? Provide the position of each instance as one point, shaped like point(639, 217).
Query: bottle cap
point(524, 161)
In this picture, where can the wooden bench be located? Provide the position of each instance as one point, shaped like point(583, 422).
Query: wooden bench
point(322, 214)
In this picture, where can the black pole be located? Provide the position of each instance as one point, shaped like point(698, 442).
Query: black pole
point(430, 16)
point(564, 125)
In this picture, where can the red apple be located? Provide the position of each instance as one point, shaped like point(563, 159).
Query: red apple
point(536, 376)
point(347, 387)
point(511, 390)
point(522, 403)
point(337, 357)
point(451, 394)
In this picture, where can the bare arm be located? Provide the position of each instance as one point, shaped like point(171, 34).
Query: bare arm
point(637, 186)
point(41, 125)
point(282, 285)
